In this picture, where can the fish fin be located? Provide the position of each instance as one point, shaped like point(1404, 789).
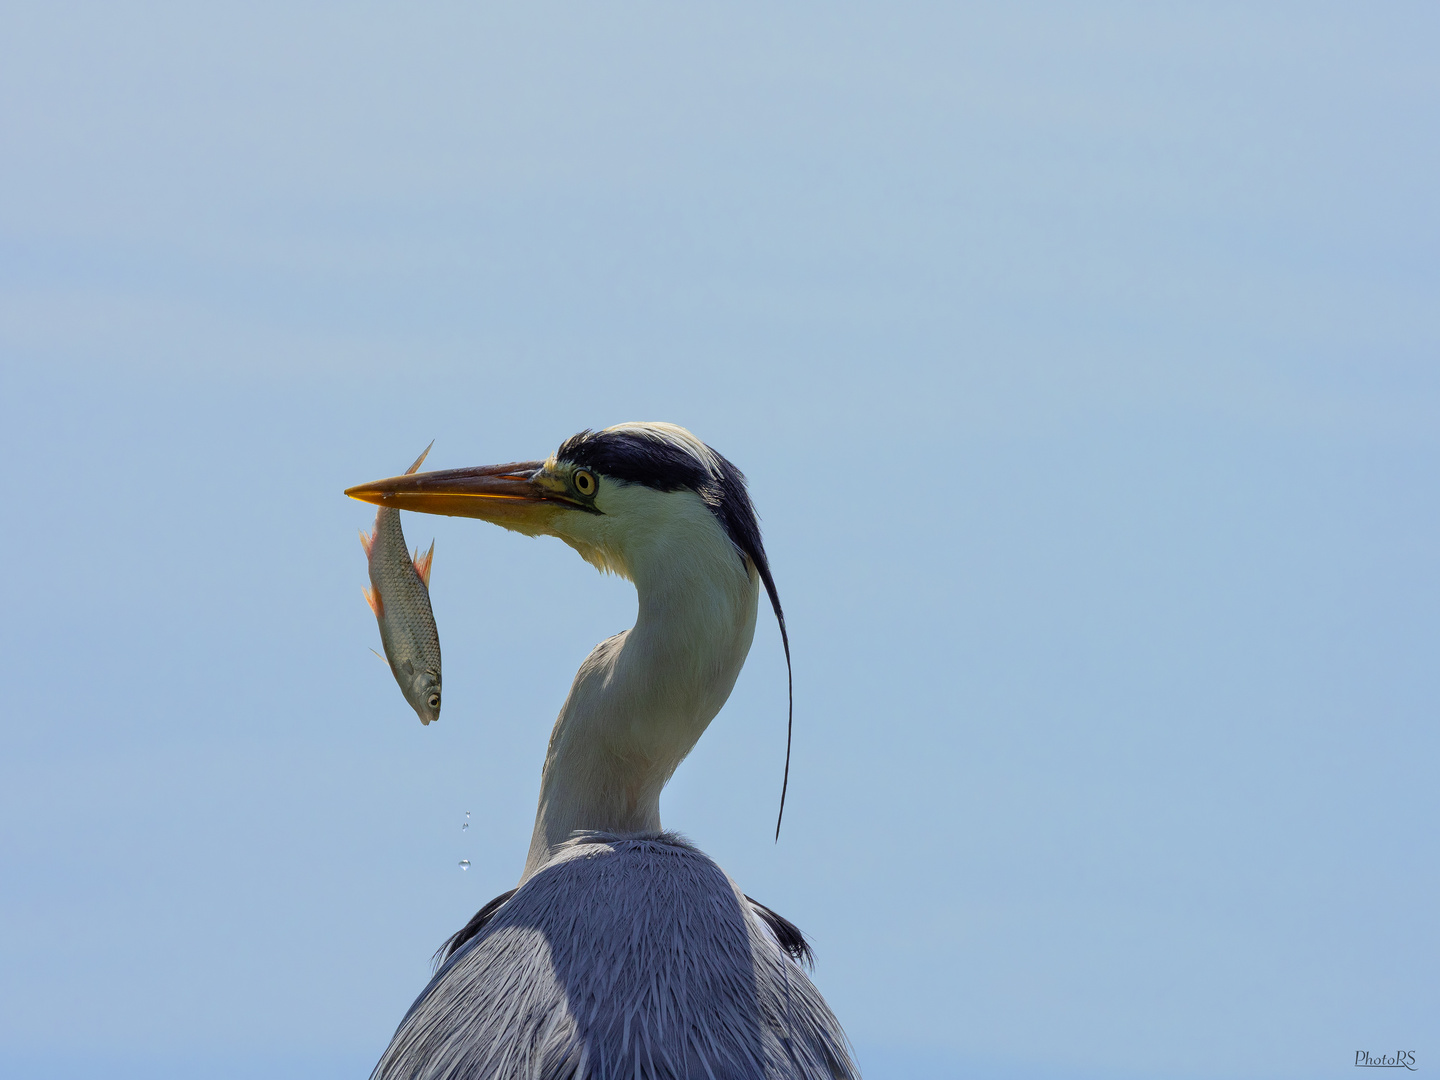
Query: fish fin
point(367, 542)
point(376, 604)
point(419, 460)
point(381, 658)
point(407, 667)
point(422, 563)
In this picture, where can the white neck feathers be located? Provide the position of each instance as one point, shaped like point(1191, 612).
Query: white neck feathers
point(643, 698)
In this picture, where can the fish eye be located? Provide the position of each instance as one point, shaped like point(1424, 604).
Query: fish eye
point(433, 701)
point(584, 482)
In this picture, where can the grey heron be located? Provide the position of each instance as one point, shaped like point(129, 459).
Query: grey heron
point(624, 951)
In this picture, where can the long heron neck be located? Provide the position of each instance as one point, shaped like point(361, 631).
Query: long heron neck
point(643, 698)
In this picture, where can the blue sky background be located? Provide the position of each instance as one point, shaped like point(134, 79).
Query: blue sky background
point(1083, 360)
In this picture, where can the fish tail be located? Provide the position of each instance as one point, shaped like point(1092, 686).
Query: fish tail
point(372, 597)
point(422, 563)
point(419, 459)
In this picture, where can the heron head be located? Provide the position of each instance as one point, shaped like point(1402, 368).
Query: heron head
point(621, 497)
point(636, 499)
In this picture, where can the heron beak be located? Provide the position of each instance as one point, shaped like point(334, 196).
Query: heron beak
point(509, 495)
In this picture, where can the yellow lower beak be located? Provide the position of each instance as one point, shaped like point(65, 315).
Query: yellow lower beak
point(503, 494)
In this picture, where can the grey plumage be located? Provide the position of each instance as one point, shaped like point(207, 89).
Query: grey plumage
point(627, 956)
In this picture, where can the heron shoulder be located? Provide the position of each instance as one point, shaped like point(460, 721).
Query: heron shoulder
point(614, 940)
point(788, 936)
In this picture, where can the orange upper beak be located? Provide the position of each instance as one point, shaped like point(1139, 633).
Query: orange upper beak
point(507, 495)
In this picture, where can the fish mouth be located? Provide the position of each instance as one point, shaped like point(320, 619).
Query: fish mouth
point(507, 495)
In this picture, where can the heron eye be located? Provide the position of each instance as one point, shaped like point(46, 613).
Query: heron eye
point(434, 701)
point(584, 482)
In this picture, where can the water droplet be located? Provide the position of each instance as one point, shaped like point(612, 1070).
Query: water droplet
point(464, 864)
point(465, 826)
point(467, 815)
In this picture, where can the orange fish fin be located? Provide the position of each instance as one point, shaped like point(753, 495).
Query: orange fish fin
point(419, 460)
point(367, 542)
point(376, 604)
point(422, 563)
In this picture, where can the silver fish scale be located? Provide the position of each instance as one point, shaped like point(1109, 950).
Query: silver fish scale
point(402, 608)
point(407, 624)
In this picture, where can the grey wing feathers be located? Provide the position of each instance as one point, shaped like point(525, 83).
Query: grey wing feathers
point(477, 923)
point(787, 934)
point(631, 957)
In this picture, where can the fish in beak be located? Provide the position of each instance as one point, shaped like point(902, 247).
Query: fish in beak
point(399, 595)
